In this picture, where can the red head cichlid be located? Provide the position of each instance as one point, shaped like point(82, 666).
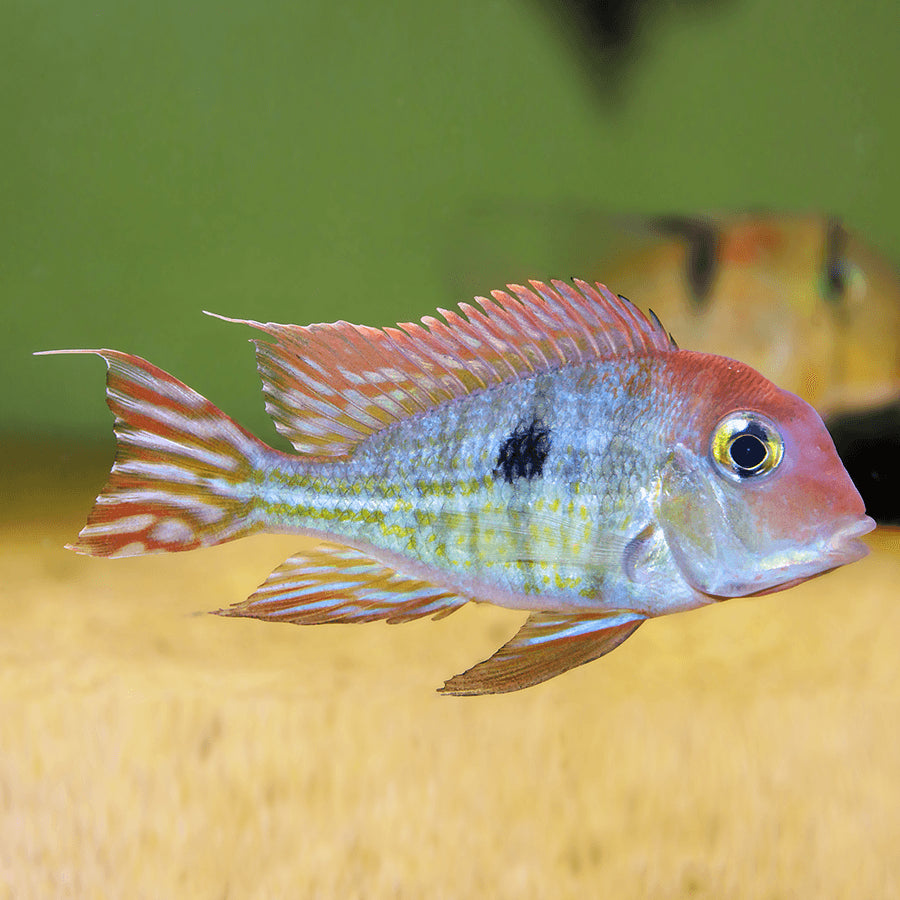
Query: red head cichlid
point(551, 451)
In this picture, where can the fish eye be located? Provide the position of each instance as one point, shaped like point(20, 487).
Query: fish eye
point(841, 281)
point(746, 445)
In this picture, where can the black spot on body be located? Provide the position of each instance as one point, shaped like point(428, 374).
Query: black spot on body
point(523, 453)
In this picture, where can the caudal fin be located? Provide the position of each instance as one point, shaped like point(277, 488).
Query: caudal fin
point(181, 478)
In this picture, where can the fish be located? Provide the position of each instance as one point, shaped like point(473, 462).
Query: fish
point(549, 449)
point(801, 297)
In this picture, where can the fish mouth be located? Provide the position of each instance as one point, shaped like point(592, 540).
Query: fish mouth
point(838, 549)
point(844, 545)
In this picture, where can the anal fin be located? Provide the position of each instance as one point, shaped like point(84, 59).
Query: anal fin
point(547, 645)
point(335, 583)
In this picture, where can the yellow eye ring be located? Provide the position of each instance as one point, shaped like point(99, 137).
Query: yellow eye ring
point(746, 445)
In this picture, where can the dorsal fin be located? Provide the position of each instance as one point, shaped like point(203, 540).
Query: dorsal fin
point(328, 387)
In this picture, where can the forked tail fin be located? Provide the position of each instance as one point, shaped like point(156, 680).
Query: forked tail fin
point(181, 478)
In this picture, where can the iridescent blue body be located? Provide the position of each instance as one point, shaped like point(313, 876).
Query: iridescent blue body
point(563, 522)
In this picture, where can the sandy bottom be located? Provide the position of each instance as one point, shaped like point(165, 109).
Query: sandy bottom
point(747, 750)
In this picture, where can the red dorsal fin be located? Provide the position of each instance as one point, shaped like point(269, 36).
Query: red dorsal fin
point(328, 387)
point(547, 645)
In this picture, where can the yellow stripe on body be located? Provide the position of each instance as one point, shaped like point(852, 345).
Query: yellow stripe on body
point(472, 526)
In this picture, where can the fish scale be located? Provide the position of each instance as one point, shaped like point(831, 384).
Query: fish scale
point(553, 451)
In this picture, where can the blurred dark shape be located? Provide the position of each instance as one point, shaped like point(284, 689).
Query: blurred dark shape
point(608, 35)
point(608, 25)
point(869, 446)
point(701, 239)
point(835, 286)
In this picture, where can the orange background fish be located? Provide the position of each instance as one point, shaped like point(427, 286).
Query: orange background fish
point(801, 298)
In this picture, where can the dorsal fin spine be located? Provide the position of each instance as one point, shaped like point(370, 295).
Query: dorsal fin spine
point(596, 328)
point(567, 320)
point(468, 334)
point(372, 393)
point(566, 328)
point(531, 305)
point(639, 331)
point(432, 357)
point(614, 324)
point(594, 324)
point(377, 339)
point(507, 309)
point(432, 388)
point(557, 318)
point(496, 339)
point(530, 351)
point(441, 335)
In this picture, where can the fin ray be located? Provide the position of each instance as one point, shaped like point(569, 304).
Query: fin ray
point(179, 464)
point(547, 645)
point(334, 583)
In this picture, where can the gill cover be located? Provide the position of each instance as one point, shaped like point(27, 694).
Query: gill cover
point(702, 520)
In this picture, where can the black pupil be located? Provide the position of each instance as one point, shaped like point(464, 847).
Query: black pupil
point(748, 452)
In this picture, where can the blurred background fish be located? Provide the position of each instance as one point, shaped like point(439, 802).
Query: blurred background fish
point(800, 297)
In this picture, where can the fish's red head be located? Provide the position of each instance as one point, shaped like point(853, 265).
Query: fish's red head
point(754, 497)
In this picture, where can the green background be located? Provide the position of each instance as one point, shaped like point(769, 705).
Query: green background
point(303, 162)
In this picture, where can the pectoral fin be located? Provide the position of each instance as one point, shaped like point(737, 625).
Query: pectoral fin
point(545, 646)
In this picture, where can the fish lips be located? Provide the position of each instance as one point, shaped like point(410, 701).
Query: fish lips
point(844, 544)
point(841, 547)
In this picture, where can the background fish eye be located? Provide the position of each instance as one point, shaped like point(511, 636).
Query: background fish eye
point(841, 281)
point(745, 445)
